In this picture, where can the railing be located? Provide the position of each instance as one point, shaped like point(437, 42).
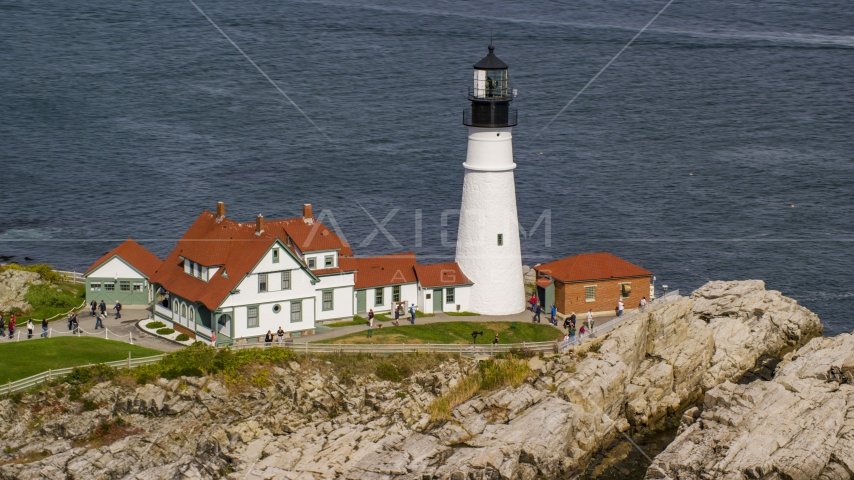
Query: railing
point(203, 330)
point(499, 93)
point(50, 375)
point(381, 349)
point(72, 277)
point(511, 119)
point(163, 311)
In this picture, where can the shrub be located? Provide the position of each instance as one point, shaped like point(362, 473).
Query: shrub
point(89, 405)
point(387, 371)
point(47, 296)
point(165, 331)
point(153, 325)
point(182, 337)
point(44, 270)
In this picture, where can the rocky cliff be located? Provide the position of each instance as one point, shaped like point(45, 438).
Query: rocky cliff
point(13, 287)
point(310, 424)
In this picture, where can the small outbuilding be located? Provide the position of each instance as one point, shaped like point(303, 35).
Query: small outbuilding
point(123, 274)
point(443, 287)
point(594, 281)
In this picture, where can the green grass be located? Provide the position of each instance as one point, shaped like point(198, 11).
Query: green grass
point(454, 332)
point(71, 293)
point(357, 320)
point(23, 359)
point(462, 314)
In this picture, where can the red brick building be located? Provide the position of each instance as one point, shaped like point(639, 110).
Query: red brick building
point(591, 281)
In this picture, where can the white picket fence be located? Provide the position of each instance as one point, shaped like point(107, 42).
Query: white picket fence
point(50, 375)
point(72, 277)
point(51, 332)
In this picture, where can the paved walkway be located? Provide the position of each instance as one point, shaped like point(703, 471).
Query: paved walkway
point(523, 317)
point(121, 328)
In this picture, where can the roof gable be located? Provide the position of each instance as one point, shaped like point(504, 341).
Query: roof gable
point(591, 266)
point(133, 254)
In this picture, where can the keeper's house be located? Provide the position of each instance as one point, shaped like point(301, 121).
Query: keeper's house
point(122, 275)
point(594, 281)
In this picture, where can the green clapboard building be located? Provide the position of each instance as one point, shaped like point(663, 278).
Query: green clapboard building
point(122, 275)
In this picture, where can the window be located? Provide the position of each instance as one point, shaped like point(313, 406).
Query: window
point(277, 308)
point(137, 286)
point(187, 267)
point(286, 280)
point(175, 306)
point(197, 270)
point(378, 297)
point(184, 310)
point(590, 293)
point(500, 239)
point(296, 311)
point(329, 261)
point(449, 295)
point(124, 286)
point(395, 293)
point(327, 300)
point(312, 263)
point(251, 317)
point(262, 282)
point(95, 286)
point(110, 286)
point(192, 314)
point(275, 255)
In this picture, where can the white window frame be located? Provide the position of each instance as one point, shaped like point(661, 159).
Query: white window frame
point(311, 262)
point(183, 310)
point(450, 295)
point(329, 261)
point(95, 286)
point(395, 293)
point(379, 297)
point(286, 280)
point(191, 314)
point(175, 307)
point(324, 301)
point(107, 286)
point(296, 310)
point(249, 317)
point(263, 286)
point(587, 297)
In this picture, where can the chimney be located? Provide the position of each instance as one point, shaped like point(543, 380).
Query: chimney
point(306, 211)
point(259, 224)
point(220, 211)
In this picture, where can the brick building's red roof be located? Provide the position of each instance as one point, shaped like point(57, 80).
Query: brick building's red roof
point(380, 271)
point(236, 248)
point(591, 266)
point(441, 275)
point(133, 254)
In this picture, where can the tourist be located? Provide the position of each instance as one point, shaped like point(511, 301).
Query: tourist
point(44, 328)
point(495, 340)
point(93, 306)
point(572, 319)
point(268, 339)
point(554, 315)
point(70, 314)
point(30, 328)
point(619, 308)
point(371, 318)
point(412, 314)
point(571, 333)
point(75, 326)
point(590, 318)
point(281, 334)
point(118, 308)
point(537, 311)
point(103, 307)
point(581, 333)
point(643, 304)
point(11, 326)
point(99, 321)
point(2, 325)
point(533, 301)
point(397, 315)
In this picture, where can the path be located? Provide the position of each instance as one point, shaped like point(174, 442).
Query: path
point(121, 328)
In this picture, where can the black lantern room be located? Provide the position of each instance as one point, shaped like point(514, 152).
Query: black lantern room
point(490, 95)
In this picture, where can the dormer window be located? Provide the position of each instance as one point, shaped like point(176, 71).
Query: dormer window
point(275, 255)
point(312, 263)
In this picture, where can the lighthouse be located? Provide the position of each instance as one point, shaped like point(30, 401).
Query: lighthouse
point(488, 249)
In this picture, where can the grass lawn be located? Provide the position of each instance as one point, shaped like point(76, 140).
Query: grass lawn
point(23, 359)
point(454, 332)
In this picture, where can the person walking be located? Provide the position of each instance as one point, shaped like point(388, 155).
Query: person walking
point(581, 332)
point(643, 304)
point(590, 318)
point(2, 325)
point(397, 315)
point(11, 326)
point(533, 301)
point(44, 328)
point(93, 306)
point(30, 328)
point(118, 308)
point(554, 315)
point(537, 311)
point(495, 340)
point(619, 308)
point(70, 314)
point(103, 307)
point(75, 325)
point(371, 318)
point(281, 334)
point(412, 314)
point(268, 339)
point(99, 321)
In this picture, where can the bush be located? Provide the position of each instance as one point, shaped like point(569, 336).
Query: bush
point(165, 331)
point(387, 371)
point(44, 270)
point(46, 296)
point(182, 337)
point(153, 325)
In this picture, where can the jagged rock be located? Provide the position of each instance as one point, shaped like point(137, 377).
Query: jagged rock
point(13, 286)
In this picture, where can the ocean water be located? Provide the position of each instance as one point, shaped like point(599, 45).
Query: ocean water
point(718, 146)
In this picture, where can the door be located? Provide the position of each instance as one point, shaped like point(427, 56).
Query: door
point(361, 301)
point(437, 300)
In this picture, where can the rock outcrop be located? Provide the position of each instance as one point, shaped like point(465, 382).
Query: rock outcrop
point(797, 426)
point(13, 287)
point(306, 425)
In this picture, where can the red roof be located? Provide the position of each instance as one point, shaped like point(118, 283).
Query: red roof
point(441, 275)
point(591, 266)
point(134, 255)
point(237, 249)
point(543, 282)
point(379, 271)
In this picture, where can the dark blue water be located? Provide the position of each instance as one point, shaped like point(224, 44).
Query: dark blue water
point(126, 119)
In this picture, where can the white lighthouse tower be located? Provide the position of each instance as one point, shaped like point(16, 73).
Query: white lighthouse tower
point(488, 249)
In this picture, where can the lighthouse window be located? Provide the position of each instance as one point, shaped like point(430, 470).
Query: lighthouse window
point(500, 239)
